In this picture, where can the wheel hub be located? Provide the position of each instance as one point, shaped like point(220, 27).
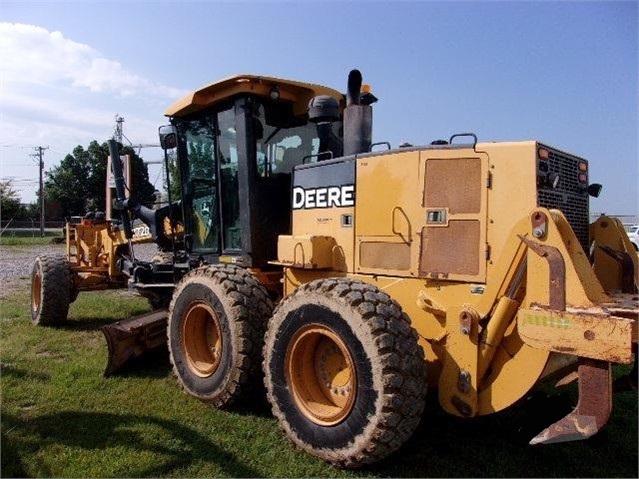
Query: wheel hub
point(36, 291)
point(202, 339)
point(321, 374)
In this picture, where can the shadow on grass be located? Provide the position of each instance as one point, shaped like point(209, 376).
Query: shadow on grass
point(95, 432)
point(19, 373)
point(152, 364)
point(497, 445)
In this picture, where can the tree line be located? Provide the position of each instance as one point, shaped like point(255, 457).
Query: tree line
point(78, 185)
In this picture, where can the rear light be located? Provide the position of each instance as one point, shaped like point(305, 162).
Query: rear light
point(583, 166)
point(583, 178)
point(543, 153)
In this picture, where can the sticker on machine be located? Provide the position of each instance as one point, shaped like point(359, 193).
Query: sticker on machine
point(323, 197)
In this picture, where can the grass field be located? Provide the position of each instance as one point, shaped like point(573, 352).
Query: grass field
point(62, 418)
point(18, 240)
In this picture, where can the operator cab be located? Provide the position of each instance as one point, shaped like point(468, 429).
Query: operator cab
point(235, 145)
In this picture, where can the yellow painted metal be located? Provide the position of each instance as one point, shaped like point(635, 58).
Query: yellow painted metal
point(388, 196)
point(327, 222)
point(514, 370)
point(298, 93)
point(388, 225)
point(321, 374)
point(202, 339)
point(306, 252)
point(609, 232)
point(582, 288)
point(457, 386)
point(595, 335)
point(493, 333)
point(92, 253)
point(513, 192)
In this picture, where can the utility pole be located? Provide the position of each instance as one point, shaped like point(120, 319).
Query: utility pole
point(39, 155)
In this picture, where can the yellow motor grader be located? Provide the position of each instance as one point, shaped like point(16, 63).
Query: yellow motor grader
point(348, 280)
point(100, 255)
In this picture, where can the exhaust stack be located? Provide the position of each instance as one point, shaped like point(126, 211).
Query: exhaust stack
point(358, 117)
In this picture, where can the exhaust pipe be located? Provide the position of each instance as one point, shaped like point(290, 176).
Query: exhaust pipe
point(358, 118)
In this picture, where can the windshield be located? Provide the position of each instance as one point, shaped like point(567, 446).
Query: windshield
point(283, 142)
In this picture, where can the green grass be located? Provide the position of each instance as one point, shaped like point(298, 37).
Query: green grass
point(62, 418)
point(10, 240)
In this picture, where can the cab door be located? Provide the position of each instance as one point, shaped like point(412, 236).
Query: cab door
point(200, 184)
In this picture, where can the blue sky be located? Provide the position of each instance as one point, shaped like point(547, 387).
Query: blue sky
point(562, 72)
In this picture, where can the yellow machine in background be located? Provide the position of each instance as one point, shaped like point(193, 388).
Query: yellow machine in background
point(95, 245)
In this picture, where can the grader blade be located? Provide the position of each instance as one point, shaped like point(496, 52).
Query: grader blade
point(593, 408)
point(130, 338)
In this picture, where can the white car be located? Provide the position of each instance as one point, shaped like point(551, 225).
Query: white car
point(633, 234)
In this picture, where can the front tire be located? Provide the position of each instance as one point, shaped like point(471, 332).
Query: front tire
point(344, 373)
point(216, 329)
point(51, 290)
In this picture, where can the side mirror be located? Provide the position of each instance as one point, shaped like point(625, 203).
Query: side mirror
point(168, 137)
point(594, 189)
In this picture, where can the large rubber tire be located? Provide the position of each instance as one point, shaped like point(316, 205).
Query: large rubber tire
point(217, 320)
point(51, 290)
point(343, 371)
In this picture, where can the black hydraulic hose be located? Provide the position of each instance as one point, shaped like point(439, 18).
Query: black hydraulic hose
point(118, 174)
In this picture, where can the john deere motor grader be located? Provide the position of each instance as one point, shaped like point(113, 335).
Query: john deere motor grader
point(354, 279)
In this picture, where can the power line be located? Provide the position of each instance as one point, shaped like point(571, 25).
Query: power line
point(24, 147)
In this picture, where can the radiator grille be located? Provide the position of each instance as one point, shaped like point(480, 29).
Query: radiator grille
point(569, 197)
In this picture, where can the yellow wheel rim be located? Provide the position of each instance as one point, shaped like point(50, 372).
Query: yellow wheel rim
point(36, 291)
point(201, 339)
point(321, 375)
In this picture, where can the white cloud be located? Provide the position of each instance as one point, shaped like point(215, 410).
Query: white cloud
point(59, 93)
point(33, 55)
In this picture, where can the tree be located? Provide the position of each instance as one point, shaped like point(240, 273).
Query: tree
point(201, 152)
point(174, 176)
point(68, 183)
point(10, 206)
point(79, 182)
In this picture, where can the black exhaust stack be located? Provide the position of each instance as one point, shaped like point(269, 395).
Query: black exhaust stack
point(358, 118)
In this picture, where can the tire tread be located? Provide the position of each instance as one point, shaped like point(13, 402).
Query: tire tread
point(56, 285)
point(399, 357)
point(249, 302)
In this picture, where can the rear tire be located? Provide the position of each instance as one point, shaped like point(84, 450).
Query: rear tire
point(216, 329)
point(51, 290)
point(344, 373)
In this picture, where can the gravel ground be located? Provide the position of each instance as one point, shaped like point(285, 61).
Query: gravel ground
point(16, 263)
